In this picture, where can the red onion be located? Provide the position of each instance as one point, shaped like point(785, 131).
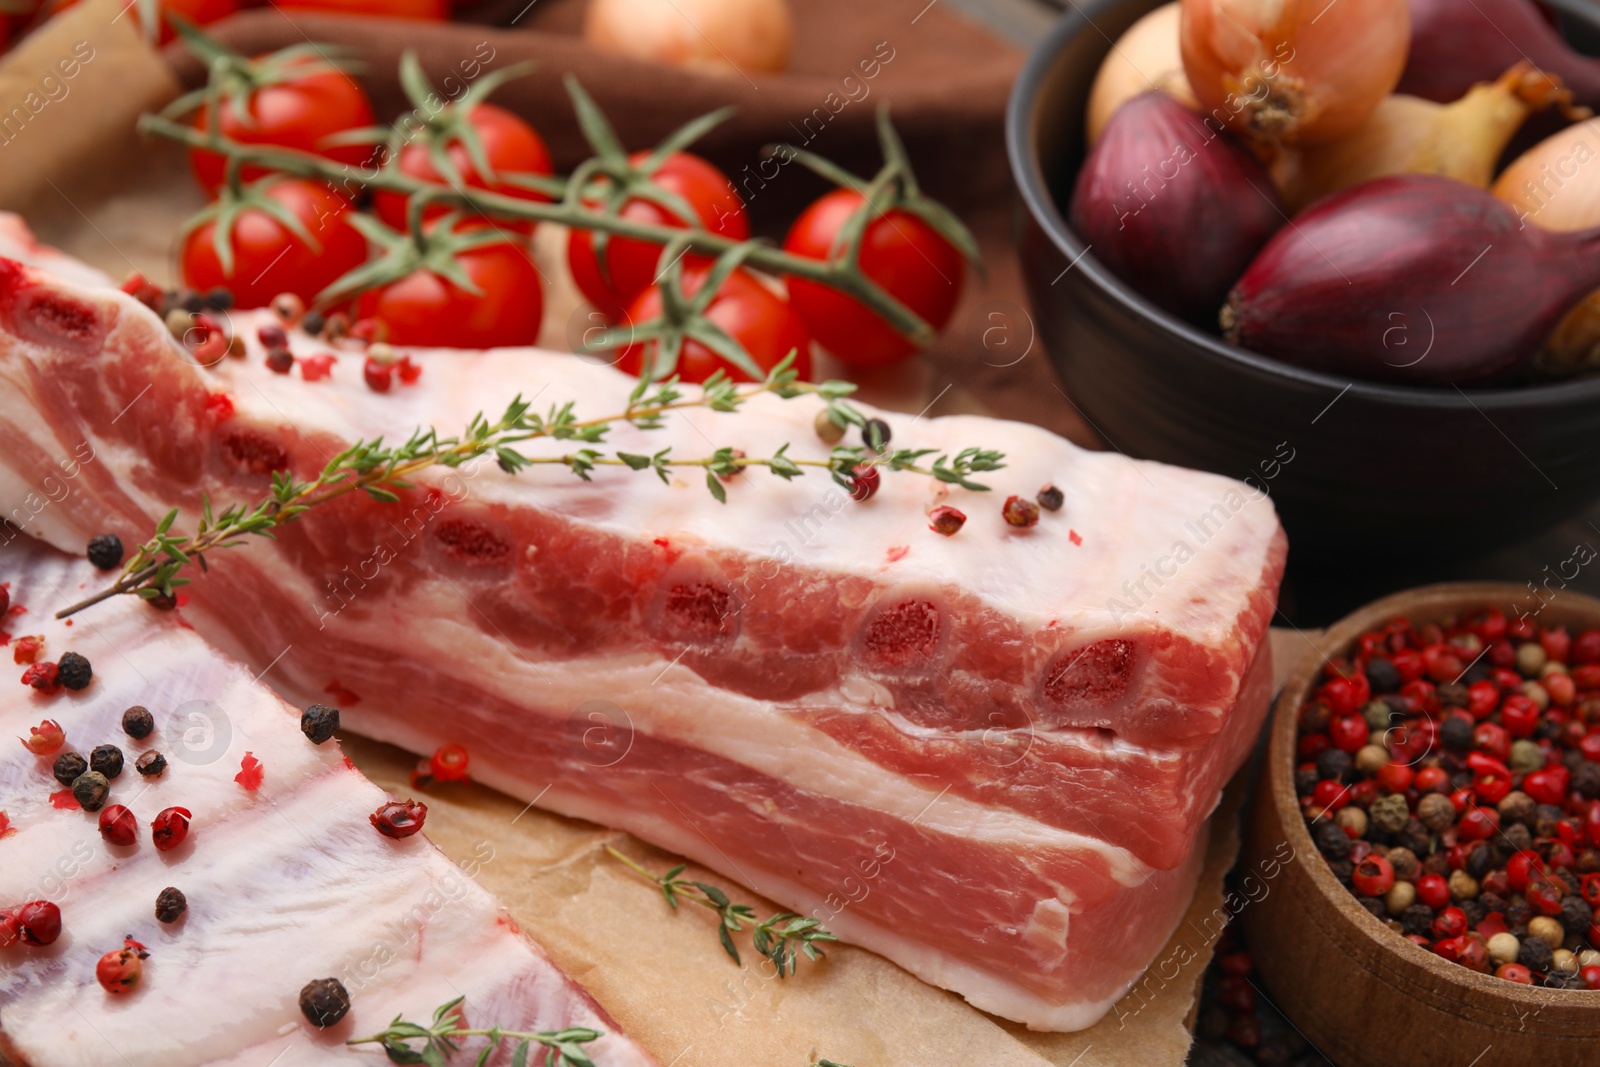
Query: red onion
point(1172, 207)
point(1456, 43)
point(1414, 279)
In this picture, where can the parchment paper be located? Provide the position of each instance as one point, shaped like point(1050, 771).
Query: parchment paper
point(87, 185)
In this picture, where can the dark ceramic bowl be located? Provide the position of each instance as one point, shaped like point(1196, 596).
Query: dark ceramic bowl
point(1375, 468)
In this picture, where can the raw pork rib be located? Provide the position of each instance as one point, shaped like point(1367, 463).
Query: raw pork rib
point(284, 885)
point(987, 757)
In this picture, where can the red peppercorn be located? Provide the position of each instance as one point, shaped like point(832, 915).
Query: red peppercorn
point(1020, 511)
point(378, 376)
point(864, 482)
point(1521, 867)
point(1474, 953)
point(272, 337)
point(169, 829)
point(1449, 948)
point(1441, 663)
point(1418, 940)
point(1373, 876)
point(119, 970)
point(1514, 972)
point(1586, 647)
point(315, 368)
point(1586, 676)
point(1347, 732)
point(1557, 643)
point(1591, 822)
point(1482, 698)
point(1493, 923)
point(1502, 654)
point(1507, 680)
point(1590, 747)
point(1491, 788)
point(117, 825)
point(1478, 824)
point(1236, 994)
point(1237, 964)
point(279, 360)
point(1519, 715)
point(1431, 780)
point(946, 520)
point(1590, 976)
point(1561, 689)
point(1363, 793)
point(1461, 800)
point(1409, 663)
point(449, 763)
point(38, 922)
point(1451, 922)
point(399, 820)
point(1330, 795)
point(1310, 746)
point(1484, 763)
point(1423, 695)
point(43, 677)
point(44, 739)
point(1547, 785)
point(1433, 891)
point(1544, 894)
point(1489, 626)
point(408, 370)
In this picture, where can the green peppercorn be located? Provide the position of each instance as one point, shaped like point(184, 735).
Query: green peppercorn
point(91, 788)
point(1526, 756)
point(1389, 813)
point(1377, 715)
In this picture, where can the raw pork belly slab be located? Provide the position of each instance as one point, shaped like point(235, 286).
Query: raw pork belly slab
point(285, 884)
point(1034, 724)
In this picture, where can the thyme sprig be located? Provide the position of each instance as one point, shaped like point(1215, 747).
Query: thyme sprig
point(441, 1040)
point(157, 568)
point(782, 939)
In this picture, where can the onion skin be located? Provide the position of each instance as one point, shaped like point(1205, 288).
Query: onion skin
point(1396, 280)
point(714, 36)
point(1171, 207)
point(1294, 71)
point(1463, 140)
point(1456, 43)
point(1556, 186)
point(1146, 57)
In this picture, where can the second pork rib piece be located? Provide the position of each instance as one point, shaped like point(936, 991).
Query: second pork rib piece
point(988, 756)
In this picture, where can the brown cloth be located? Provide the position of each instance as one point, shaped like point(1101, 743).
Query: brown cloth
point(945, 78)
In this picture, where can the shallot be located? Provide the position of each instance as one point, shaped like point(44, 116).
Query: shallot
point(1412, 278)
point(1172, 207)
point(1409, 135)
point(1556, 185)
point(1146, 57)
point(716, 36)
point(1456, 43)
point(1294, 71)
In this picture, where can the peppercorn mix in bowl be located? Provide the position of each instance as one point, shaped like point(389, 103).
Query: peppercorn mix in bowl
point(1435, 771)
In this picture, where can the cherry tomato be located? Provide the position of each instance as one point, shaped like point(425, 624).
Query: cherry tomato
point(426, 310)
point(297, 114)
point(903, 254)
point(759, 319)
point(511, 147)
point(630, 266)
point(395, 9)
point(199, 12)
point(270, 259)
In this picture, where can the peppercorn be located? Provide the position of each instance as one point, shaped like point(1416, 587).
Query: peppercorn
point(91, 790)
point(1474, 911)
point(170, 827)
point(1492, 902)
point(105, 551)
point(1331, 841)
point(1546, 817)
point(1378, 716)
point(137, 722)
point(1518, 913)
point(1353, 821)
point(178, 321)
point(217, 299)
point(1517, 837)
point(1370, 759)
point(1516, 807)
point(107, 760)
point(1536, 955)
point(1480, 860)
point(1343, 869)
point(1389, 813)
point(117, 825)
point(1019, 512)
point(1462, 886)
point(1504, 948)
point(324, 1001)
point(1452, 695)
point(150, 764)
point(1455, 734)
point(1436, 863)
point(1315, 717)
point(1334, 764)
point(288, 307)
point(1588, 861)
point(319, 722)
point(1530, 659)
point(875, 435)
point(1401, 896)
point(1374, 905)
point(313, 323)
point(1576, 914)
point(73, 670)
point(279, 361)
point(1305, 781)
point(1406, 866)
point(68, 767)
point(1586, 780)
point(1414, 836)
point(1526, 756)
point(171, 904)
point(946, 520)
point(826, 428)
point(863, 482)
point(1050, 498)
point(1417, 919)
point(400, 820)
point(1436, 812)
point(1382, 675)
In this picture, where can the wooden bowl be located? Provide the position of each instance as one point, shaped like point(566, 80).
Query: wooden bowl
point(1359, 992)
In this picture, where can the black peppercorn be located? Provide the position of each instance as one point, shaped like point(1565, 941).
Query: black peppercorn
point(1332, 841)
point(1588, 861)
point(1480, 859)
point(1452, 695)
point(137, 722)
point(1382, 675)
point(1535, 955)
point(1492, 903)
point(1050, 498)
point(1305, 781)
point(171, 904)
point(1375, 905)
point(106, 760)
point(1517, 915)
point(1415, 836)
point(73, 670)
point(1576, 916)
point(1517, 836)
point(1474, 911)
point(105, 551)
point(313, 322)
point(1314, 718)
point(1334, 764)
point(150, 763)
point(217, 299)
point(1478, 672)
point(1455, 734)
point(1547, 731)
point(69, 765)
point(91, 790)
point(1417, 919)
point(1342, 869)
point(324, 1001)
point(1546, 818)
point(1557, 980)
point(191, 300)
point(875, 435)
point(1586, 780)
point(319, 722)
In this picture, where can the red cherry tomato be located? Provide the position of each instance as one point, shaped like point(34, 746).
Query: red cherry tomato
point(630, 266)
point(394, 9)
point(269, 258)
point(900, 252)
point(760, 320)
point(297, 114)
point(511, 147)
point(426, 310)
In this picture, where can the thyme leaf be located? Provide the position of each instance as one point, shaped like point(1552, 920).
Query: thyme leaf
point(443, 1038)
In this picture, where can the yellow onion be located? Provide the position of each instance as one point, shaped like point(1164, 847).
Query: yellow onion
point(1410, 135)
point(1293, 71)
point(717, 36)
point(1556, 185)
point(1144, 58)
